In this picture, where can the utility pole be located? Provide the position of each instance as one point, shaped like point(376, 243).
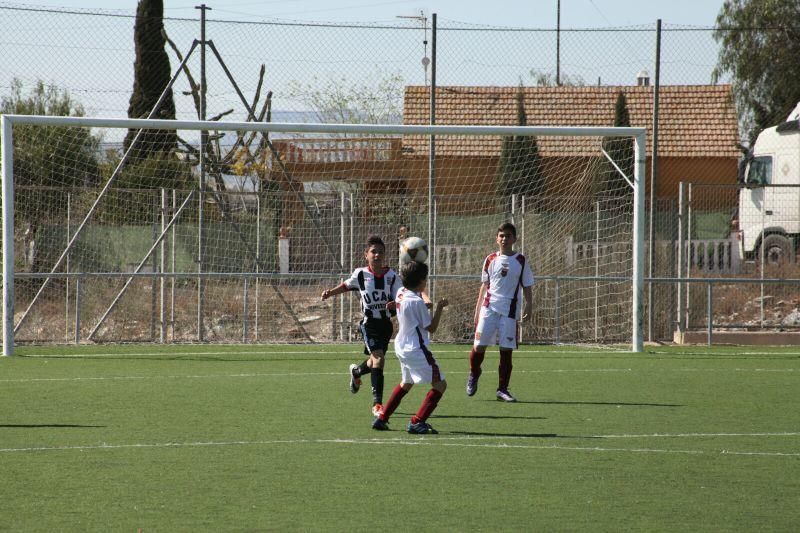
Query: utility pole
point(202, 177)
point(558, 43)
point(424, 21)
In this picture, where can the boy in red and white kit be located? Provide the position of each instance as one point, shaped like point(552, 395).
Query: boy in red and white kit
point(417, 364)
point(506, 276)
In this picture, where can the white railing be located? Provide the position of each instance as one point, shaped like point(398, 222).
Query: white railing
point(714, 256)
point(337, 150)
point(707, 256)
point(450, 258)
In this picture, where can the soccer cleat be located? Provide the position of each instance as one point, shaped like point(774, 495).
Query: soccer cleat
point(377, 409)
point(380, 425)
point(472, 385)
point(505, 396)
point(421, 428)
point(355, 380)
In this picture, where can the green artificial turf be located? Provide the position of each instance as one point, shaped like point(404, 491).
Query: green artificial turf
point(259, 438)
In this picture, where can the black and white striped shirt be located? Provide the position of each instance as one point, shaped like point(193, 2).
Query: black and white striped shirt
point(375, 290)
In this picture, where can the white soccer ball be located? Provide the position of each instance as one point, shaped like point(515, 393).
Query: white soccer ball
point(413, 249)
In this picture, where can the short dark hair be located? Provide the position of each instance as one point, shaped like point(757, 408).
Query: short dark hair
point(374, 240)
point(413, 274)
point(507, 226)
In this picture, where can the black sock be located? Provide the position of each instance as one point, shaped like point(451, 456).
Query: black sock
point(376, 376)
point(363, 368)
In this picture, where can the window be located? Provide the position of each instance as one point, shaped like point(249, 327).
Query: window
point(760, 171)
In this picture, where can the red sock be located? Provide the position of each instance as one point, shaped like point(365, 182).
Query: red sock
point(393, 403)
point(475, 361)
point(428, 405)
point(504, 370)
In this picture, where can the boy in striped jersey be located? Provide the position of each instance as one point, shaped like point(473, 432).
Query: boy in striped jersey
point(506, 276)
point(377, 285)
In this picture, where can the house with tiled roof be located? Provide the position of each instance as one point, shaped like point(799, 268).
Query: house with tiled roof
point(698, 129)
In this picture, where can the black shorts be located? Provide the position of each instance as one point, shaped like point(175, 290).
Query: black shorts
point(376, 333)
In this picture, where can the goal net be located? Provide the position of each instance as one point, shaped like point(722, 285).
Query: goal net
point(118, 230)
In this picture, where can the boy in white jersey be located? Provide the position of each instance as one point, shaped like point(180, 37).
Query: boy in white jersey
point(417, 364)
point(377, 285)
point(506, 276)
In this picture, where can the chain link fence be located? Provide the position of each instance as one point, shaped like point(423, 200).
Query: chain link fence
point(359, 72)
point(91, 54)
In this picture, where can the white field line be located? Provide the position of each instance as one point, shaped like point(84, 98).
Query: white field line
point(277, 375)
point(780, 350)
point(335, 350)
point(339, 374)
point(689, 435)
point(189, 376)
point(166, 353)
point(460, 442)
point(734, 370)
point(304, 374)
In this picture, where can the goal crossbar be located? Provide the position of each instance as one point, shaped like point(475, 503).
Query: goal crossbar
point(290, 127)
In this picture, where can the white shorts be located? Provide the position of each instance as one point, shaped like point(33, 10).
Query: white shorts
point(494, 328)
point(417, 366)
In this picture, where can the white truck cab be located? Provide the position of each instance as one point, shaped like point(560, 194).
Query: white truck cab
point(769, 202)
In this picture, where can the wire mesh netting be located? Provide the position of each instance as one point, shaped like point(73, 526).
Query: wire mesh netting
point(80, 62)
point(270, 226)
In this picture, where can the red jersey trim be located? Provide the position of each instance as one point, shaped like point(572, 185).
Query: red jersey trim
point(385, 270)
point(491, 257)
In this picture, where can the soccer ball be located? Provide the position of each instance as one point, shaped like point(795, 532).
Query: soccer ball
point(413, 249)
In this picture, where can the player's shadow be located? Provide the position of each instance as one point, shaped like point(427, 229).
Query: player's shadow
point(480, 417)
point(234, 358)
point(493, 417)
point(610, 404)
point(32, 426)
point(517, 435)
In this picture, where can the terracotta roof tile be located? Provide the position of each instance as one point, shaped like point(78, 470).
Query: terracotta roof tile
point(695, 120)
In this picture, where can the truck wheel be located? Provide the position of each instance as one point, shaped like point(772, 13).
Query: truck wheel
point(778, 250)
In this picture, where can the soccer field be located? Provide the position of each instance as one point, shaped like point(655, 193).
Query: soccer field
point(219, 438)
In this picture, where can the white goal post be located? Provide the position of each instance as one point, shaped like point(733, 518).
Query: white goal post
point(367, 157)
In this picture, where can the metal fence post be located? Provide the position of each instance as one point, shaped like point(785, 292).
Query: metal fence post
point(522, 223)
point(597, 271)
point(351, 207)
point(680, 252)
point(154, 266)
point(342, 228)
point(258, 263)
point(202, 176)
point(762, 251)
point(78, 285)
point(432, 162)
point(162, 335)
point(435, 255)
point(244, 309)
point(66, 269)
point(710, 310)
point(200, 288)
point(522, 240)
point(690, 256)
point(172, 266)
point(672, 261)
point(653, 181)
point(558, 311)
point(513, 208)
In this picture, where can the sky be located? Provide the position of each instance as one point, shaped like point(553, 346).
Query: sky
point(514, 13)
point(362, 54)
